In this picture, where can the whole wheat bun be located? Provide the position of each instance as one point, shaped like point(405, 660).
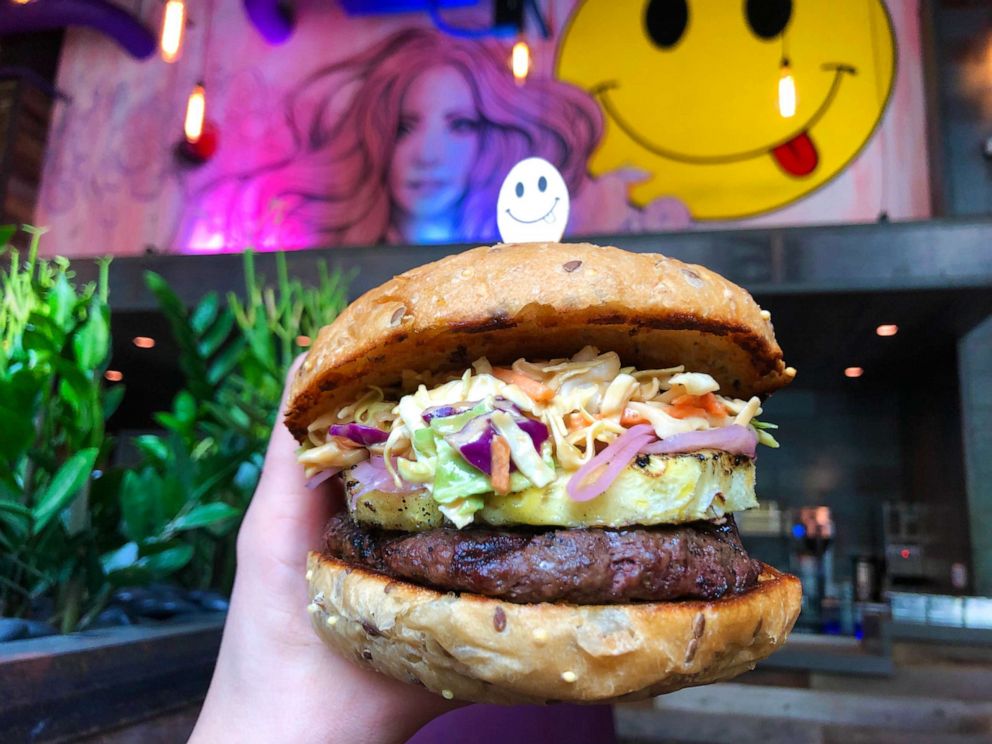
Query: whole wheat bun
point(485, 650)
point(539, 301)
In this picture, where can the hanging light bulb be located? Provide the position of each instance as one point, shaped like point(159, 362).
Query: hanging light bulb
point(173, 26)
point(520, 61)
point(786, 91)
point(196, 109)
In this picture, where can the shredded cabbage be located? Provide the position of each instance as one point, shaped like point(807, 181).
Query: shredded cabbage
point(595, 401)
point(522, 450)
point(695, 383)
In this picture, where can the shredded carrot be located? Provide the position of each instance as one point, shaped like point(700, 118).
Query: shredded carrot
point(500, 465)
point(575, 420)
point(681, 412)
point(632, 418)
point(536, 390)
point(707, 402)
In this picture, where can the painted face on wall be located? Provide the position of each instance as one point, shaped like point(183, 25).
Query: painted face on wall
point(690, 91)
point(437, 142)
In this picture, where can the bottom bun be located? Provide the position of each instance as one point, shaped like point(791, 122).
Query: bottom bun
point(486, 650)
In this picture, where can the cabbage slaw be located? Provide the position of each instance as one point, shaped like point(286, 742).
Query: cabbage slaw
point(587, 403)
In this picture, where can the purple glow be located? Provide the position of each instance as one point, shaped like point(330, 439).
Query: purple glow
point(273, 19)
point(103, 16)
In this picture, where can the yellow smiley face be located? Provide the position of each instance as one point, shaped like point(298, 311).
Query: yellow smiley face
point(696, 94)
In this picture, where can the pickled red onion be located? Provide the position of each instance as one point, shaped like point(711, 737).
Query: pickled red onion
point(735, 439)
point(608, 463)
point(322, 476)
point(373, 476)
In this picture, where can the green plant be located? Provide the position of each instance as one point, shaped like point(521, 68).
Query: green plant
point(54, 517)
point(195, 481)
point(72, 529)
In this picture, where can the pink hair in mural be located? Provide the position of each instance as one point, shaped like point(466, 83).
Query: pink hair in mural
point(406, 142)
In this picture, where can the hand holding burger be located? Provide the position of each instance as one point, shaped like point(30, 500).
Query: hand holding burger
point(274, 680)
point(542, 447)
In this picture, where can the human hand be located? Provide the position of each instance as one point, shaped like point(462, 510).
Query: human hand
point(275, 681)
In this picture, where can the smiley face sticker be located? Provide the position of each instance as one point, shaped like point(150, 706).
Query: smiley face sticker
point(692, 94)
point(533, 203)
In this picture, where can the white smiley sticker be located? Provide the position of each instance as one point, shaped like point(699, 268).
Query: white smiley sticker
point(533, 203)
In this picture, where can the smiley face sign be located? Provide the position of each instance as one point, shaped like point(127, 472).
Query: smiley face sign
point(691, 92)
point(532, 204)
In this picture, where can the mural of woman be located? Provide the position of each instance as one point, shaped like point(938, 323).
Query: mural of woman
point(407, 141)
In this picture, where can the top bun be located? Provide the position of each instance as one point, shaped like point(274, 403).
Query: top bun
point(540, 301)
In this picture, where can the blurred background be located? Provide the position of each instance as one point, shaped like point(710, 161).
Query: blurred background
point(252, 166)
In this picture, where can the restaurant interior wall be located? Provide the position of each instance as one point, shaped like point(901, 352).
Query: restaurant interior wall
point(112, 181)
point(961, 102)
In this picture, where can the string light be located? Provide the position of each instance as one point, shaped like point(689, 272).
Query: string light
point(786, 91)
point(196, 109)
point(889, 329)
point(173, 26)
point(853, 372)
point(113, 375)
point(143, 342)
point(520, 61)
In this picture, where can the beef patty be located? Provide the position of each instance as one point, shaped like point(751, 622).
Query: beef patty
point(585, 566)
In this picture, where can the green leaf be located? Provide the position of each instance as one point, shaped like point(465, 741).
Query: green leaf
point(91, 343)
point(169, 421)
point(117, 560)
point(167, 299)
point(190, 361)
point(246, 478)
point(205, 313)
point(16, 433)
point(231, 416)
point(225, 362)
point(68, 393)
point(205, 515)
point(15, 516)
point(81, 384)
point(167, 561)
point(123, 566)
point(63, 487)
point(226, 470)
point(6, 233)
point(43, 333)
point(185, 407)
point(140, 492)
point(217, 335)
point(174, 495)
point(12, 507)
point(152, 447)
point(112, 398)
point(61, 302)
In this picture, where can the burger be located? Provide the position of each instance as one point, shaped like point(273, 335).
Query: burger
point(541, 448)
